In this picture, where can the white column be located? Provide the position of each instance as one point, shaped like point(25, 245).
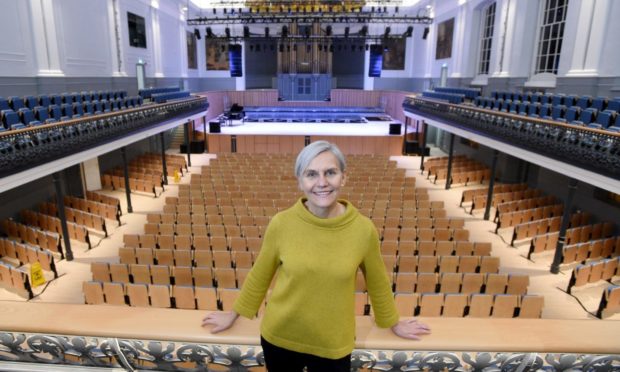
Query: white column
point(91, 174)
point(590, 20)
point(46, 39)
point(461, 41)
point(156, 47)
point(183, 41)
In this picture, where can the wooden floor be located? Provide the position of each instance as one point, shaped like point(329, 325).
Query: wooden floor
point(558, 305)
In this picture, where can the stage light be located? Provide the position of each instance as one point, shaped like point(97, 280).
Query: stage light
point(328, 30)
point(284, 31)
point(364, 30)
point(409, 31)
point(267, 32)
point(209, 32)
point(227, 32)
point(197, 33)
point(425, 34)
point(246, 32)
point(214, 11)
point(387, 32)
point(346, 31)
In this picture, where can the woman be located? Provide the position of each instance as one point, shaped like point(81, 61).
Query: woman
point(316, 246)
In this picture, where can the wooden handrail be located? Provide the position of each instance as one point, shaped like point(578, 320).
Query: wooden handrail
point(448, 334)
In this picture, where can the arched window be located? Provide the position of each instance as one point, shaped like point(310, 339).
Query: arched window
point(551, 35)
point(486, 38)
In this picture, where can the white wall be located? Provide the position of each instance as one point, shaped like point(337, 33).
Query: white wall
point(16, 47)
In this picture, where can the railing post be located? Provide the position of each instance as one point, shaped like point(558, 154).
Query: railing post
point(487, 211)
point(557, 258)
point(450, 155)
point(60, 205)
point(425, 129)
point(163, 157)
point(186, 129)
point(126, 172)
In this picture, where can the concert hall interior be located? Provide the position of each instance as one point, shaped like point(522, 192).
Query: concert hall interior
point(146, 144)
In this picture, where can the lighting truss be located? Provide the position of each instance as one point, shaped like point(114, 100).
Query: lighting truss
point(308, 18)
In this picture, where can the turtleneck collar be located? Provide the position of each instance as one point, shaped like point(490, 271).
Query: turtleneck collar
point(340, 221)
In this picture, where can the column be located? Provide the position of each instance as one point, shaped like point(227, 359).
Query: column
point(60, 205)
point(126, 173)
point(487, 211)
point(450, 156)
point(568, 204)
point(46, 46)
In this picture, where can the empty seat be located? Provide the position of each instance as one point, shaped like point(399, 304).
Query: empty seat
point(31, 102)
point(16, 103)
point(505, 305)
point(27, 117)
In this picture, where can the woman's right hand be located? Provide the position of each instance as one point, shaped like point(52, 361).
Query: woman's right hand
point(222, 320)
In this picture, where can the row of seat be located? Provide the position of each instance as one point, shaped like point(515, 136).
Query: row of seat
point(509, 219)
point(454, 98)
point(110, 212)
point(593, 272)
point(435, 248)
point(27, 254)
point(15, 103)
point(574, 115)
point(164, 97)
point(610, 302)
point(591, 250)
point(468, 195)
point(38, 115)
point(16, 280)
point(414, 263)
point(32, 235)
point(90, 220)
point(555, 99)
point(475, 305)
point(146, 93)
point(53, 224)
point(469, 93)
point(448, 282)
point(178, 257)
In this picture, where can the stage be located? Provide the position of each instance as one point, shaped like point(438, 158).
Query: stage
point(268, 129)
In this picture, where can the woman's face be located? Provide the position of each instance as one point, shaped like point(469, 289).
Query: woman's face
point(321, 182)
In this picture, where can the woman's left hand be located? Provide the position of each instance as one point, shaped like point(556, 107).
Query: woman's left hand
point(411, 329)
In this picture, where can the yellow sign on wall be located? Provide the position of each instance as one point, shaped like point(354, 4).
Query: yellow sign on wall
point(36, 275)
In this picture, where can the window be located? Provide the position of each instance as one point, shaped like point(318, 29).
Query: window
point(137, 30)
point(486, 38)
point(551, 34)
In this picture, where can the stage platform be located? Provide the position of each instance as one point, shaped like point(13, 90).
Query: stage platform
point(285, 132)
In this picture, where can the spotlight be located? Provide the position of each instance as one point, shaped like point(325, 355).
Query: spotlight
point(225, 10)
point(240, 10)
point(364, 30)
point(284, 31)
point(328, 30)
point(409, 31)
point(246, 32)
point(425, 34)
point(267, 32)
point(346, 31)
point(209, 32)
point(251, 47)
point(385, 9)
point(372, 9)
point(227, 32)
point(396, 10)
point(214, 11)
point(197, 33)
point(387, 32)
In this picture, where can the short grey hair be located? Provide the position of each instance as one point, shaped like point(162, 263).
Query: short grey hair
point(312, 151)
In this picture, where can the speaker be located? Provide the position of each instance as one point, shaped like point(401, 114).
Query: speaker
point(234, 57)
point(395, 128)
point(376, 60)
point(214, 127)
point(425, 34)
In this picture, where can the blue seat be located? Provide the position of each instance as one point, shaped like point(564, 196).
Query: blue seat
point(55, 112)
point(68, 98)
point(570, 100)
point(558, 99)
point(599, 103)
point(584, 102)
point(558, 112)
point(546, 98)
point(67, 111)
point(606, 118)
point(44, 100)
point(545, 111)
point(537, 97)
point(88, 108)
point(614, 104)
point(533, 109)
point(614, 129)
point(26, 116)
point(16, 103)
point(506, 105)
point(523, 108)
point(107, 106)
point(31, 102)
point(587, 116)
point(9, 118)
point(572, 114)
point(98, 107)
point(77, 97)
point(56, 100)
point(78, 111)
point(498, 104)
point(41, 114)
point(4, 104)
point(86, 96)
point(514, 106)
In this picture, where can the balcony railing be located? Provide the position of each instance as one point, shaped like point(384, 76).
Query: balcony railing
point(592, 149)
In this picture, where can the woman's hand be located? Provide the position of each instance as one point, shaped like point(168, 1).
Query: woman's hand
point(410, 329)
point(222, 320)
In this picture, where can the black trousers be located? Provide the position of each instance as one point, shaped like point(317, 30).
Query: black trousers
point(278, 359)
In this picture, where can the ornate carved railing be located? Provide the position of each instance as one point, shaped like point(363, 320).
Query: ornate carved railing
point(29, 147)
point(105, 336)
point(179, 356)
point(588, 148)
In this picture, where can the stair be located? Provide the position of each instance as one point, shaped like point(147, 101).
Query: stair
point(178, 138)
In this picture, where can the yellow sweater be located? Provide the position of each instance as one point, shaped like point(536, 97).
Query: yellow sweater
point(311, 307)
